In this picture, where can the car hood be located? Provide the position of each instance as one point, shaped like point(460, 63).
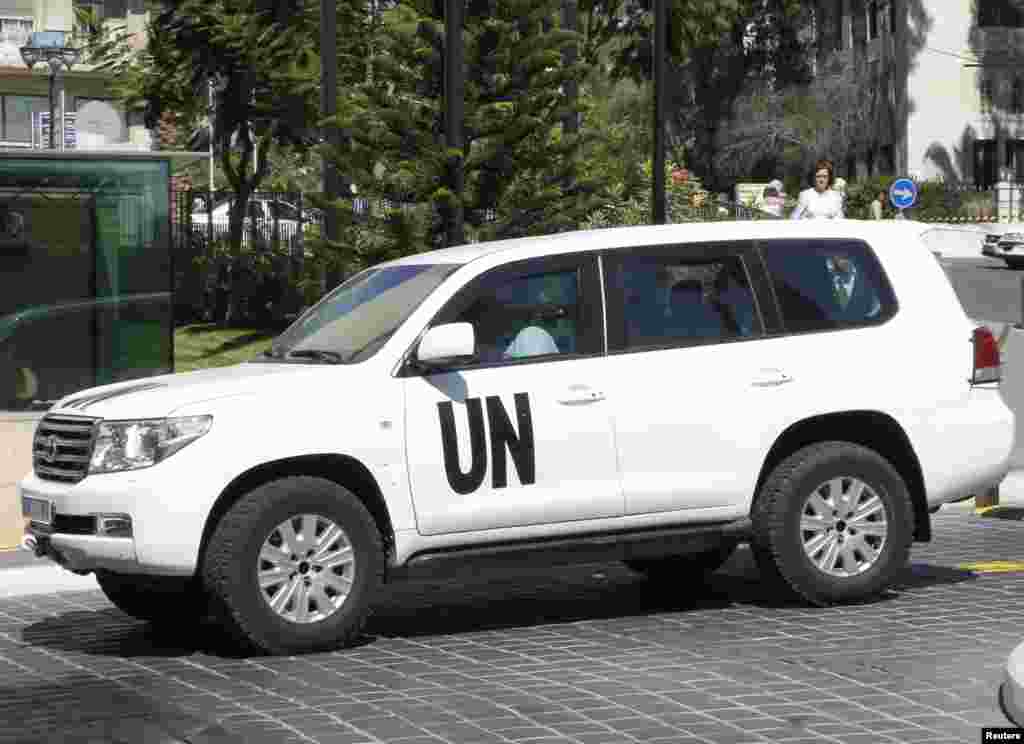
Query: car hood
point(155, 397)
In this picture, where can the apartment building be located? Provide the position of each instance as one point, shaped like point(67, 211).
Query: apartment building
point(82, 100)
point(946, 79)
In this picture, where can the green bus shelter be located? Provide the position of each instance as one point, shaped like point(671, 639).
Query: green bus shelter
point(86, 271)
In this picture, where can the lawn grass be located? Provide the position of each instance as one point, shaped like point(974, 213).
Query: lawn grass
point(206, 345)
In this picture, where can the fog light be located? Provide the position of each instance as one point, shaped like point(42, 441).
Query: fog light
point(113, 525)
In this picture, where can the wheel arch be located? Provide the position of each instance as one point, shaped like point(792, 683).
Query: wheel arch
point(342, 469)
point(872, 429)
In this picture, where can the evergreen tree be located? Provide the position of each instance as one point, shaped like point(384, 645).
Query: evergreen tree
point(522, 173)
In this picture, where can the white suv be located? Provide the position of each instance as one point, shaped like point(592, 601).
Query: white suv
point(650, 394)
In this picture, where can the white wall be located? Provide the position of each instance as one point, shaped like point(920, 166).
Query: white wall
point(942, 93)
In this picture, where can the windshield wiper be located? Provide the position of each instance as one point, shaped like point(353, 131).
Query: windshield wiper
point(270, 354)
point(320, 355)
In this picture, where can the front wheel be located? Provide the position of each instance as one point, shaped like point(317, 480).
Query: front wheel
point(166, 601)
point(1014, 262)
point(834, 523)
point(293, 566)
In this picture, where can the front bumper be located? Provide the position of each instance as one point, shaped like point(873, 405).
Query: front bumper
point(82, 553)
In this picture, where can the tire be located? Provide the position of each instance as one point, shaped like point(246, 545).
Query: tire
point(779, 542)
point(165, 601)
point(255, 527)
point(1014, 262)
point(684, 568)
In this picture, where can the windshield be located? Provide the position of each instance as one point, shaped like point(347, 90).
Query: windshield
point(355, 320)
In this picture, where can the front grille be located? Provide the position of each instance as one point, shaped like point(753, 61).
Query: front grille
point(72, 524)
point(63, 446)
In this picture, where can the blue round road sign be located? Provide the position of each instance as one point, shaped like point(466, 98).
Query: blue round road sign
point(903, 193)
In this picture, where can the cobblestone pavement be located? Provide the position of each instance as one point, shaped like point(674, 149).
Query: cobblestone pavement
point(580, 655)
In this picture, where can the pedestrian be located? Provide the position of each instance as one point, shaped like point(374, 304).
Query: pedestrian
point(773, 199)
point(821, 200)
point(877, 206)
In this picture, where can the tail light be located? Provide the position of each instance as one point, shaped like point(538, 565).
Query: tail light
point(987, 365)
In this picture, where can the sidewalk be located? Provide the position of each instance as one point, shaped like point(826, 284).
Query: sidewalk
point(16, 431)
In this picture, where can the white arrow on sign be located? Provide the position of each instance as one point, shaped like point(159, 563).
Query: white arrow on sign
point(904, 193)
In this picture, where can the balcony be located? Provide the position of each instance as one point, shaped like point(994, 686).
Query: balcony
point(14, 34)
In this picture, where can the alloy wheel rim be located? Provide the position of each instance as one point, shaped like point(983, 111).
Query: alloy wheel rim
point(843, 527)
point(306, 568)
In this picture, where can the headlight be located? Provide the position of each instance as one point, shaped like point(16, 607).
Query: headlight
point(130, 445)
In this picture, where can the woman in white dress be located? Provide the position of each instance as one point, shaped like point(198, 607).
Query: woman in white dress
point(821, 200)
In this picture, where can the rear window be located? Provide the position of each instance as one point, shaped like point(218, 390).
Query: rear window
point(824, 285)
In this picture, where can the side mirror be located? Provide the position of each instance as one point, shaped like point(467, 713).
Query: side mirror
point(450, 343)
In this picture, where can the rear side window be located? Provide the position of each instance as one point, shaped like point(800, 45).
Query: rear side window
point(827, 284)
point(672, 301)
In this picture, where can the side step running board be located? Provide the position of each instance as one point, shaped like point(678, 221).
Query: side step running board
point(591, 548)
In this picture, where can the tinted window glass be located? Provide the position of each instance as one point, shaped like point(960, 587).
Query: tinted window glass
point(668, 300)
point(356, 319)
point(827, 284)
point(526, 316)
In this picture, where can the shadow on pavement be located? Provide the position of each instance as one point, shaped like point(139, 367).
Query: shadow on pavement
point(493, 601)
point(89, 710)
point(109, 632)
point(1004, 512)
point(919, 575)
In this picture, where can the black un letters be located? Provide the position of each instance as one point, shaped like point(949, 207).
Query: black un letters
point(502, 435)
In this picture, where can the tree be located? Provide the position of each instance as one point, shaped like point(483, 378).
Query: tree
point(522, 173)
point(717, 48)
point(835, 115)
point(261, 56)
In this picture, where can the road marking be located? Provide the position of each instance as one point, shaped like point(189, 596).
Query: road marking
point(993, 566)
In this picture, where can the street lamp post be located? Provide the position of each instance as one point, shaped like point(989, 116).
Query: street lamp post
point(658, 187)
point(48, 47)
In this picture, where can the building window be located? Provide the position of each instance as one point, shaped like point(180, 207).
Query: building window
point(985, 163)
point(886, 158)
point(15, 30)
point(873, 18)
point(985, 95)
point(1017, 96)
point(1015, 158)
point(107, 9)
point(16, 116)
point(1000, 13)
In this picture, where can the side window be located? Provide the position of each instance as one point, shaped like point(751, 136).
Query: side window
point(532, 310)
point(282, 210)
point(526, 316)
point(827, 284)
point(673, 300)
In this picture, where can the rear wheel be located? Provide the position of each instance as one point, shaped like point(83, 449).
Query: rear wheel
point(684, 567)
point(293, 566)
point(166, 601)
point(834, 523)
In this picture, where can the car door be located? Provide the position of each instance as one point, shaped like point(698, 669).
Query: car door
point(522, 435)
point(693, 400)
point(835, 302)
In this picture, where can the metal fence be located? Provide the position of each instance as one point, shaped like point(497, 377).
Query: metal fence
point(276, 242)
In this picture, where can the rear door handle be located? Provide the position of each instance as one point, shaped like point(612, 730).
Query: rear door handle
point(771, 378)
point(580, 394)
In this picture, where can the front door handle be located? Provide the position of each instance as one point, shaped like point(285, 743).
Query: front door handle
point(580, 394)
point(771, 378)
